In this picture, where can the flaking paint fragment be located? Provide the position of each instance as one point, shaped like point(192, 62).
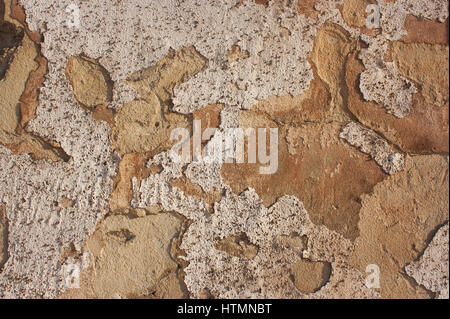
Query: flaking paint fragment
point(381, 82)
point(266, 275)
point(370, 143)
point(431, 270)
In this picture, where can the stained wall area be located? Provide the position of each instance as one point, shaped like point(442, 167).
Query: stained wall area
point(93, 205)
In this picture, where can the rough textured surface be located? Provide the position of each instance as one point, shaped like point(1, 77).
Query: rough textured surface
point(3, 237)
point(368, 142)
point(381, 82)
point(38, 227)
point(431, 270)
point(87, 107)
point(423, 131)
point(324, 172)
point(266, 275)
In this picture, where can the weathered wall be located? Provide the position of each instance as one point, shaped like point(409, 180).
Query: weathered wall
point(86, 113)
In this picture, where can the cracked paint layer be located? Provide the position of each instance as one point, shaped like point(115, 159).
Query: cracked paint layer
point(266, 274)
point(111, 93)
point(381, 81)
